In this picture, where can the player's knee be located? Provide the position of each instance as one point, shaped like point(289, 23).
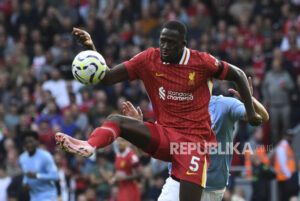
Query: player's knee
point(115, 118)
point(118, 119)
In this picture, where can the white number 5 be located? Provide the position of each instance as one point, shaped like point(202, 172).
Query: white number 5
point(194, 164)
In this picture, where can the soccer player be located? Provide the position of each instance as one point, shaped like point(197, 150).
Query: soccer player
point(224, 112)
point(127, 172)
point(177, 80)
point(40, 171)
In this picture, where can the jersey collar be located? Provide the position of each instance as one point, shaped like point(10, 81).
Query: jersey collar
point(127, 150)
point(184, 58)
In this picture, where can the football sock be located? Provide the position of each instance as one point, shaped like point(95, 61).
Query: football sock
point(104, 135)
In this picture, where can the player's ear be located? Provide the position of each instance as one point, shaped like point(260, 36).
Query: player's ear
point(184, 42)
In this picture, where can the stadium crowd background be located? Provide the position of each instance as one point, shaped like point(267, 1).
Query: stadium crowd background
point(37, 89)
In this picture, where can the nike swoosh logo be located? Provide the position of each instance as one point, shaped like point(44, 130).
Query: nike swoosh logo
point(191, 173)
point(159, 75)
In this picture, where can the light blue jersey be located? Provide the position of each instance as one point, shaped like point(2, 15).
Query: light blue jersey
point(224, 112)
point(42, 188)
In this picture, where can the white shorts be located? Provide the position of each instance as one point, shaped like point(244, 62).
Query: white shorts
point(170, 192)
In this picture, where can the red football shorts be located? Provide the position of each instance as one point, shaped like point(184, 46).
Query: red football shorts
point(187, 153)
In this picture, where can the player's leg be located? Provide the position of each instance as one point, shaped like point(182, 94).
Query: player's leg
point(133, 130)
point(216, 195)
point(189, 165)
point(170, 190)
point(190, 191)
point(129, 128)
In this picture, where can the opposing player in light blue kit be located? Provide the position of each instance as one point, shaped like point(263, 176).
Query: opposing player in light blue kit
point(39, 169)
point(224, 112)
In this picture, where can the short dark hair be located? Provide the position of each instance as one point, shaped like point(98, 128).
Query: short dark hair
point(176, 25)
point(29, 133)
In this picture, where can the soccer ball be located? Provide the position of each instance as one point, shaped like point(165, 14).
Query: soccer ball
point(89, 67)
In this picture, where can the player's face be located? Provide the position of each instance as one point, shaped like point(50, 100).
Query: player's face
point(171, 45)
point(121, 144)
point(30, 144)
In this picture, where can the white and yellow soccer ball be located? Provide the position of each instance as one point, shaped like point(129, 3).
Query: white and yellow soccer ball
point(89, 67)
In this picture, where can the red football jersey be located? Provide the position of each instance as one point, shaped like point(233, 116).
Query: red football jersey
point(294, 58)
point(124, 164)
point(179, 93)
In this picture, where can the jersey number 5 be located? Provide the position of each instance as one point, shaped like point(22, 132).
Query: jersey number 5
point(194, 163)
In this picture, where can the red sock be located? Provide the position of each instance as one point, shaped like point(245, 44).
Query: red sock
point(104, 135)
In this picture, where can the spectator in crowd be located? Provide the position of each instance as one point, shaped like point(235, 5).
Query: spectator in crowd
point(100, 174)
point(276, 87)
point(12, 118)
point(260, 152)
point(295, 103)
point(285, 165)
point(12, 163)
point(39, 169)
point(80, 119)
point(155, 190)
point(4, 182)
point(50, 113)
point(46, 134)
point(262, 174)
point(68, 126)
point(58, 88)
point(15, 190)
point(80, 169)
point(66, 180)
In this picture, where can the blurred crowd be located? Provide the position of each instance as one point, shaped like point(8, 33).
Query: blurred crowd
point(37, 89)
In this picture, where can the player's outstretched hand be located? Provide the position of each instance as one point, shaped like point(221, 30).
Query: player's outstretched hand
point(82, 37)
point(129, 110)
point(237, 94)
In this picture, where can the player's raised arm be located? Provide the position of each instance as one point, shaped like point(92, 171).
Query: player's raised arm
point(259, 108)
point(84, 38)
point(113, 75)
point(239, 78)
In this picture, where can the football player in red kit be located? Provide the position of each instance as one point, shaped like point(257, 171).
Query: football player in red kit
point(177, 80)
point(127, 172)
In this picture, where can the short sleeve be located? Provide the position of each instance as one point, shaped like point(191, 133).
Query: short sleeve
point(135, 64)
point(134, 160)
point(237, 110)
point(216, 68)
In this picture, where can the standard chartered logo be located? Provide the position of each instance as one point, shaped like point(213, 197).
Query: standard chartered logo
point(174, 95)
point(162, 93)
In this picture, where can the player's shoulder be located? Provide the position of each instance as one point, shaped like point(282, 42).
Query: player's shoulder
point(219, 103)
point(23, 156)
point(44, 153)
point(152, 50)
point(228, 101)
point(130, 153)
point(133, 157)
point(148, 54)
point(225, 103)
point(197, 53)
point(197, 57)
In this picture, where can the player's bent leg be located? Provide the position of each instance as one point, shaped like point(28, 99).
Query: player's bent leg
point(170, 190)
point(189, 191)
point(133, 130)
point(216, 195)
